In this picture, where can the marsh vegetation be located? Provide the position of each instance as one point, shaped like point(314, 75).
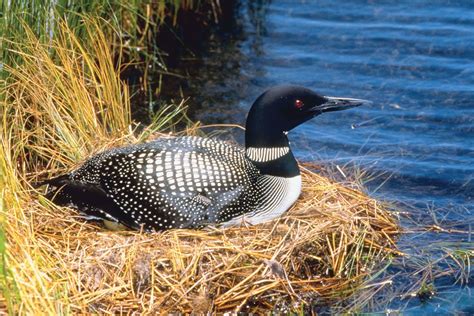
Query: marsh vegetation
point(64, 98)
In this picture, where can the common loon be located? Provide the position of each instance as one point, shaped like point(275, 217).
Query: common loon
point(192, 182)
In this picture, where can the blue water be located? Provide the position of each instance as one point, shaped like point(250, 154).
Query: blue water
point(415, 61)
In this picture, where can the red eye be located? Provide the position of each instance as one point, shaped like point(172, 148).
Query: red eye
point(299, 104)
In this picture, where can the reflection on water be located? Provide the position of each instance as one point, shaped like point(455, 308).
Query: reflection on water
point(413, 60)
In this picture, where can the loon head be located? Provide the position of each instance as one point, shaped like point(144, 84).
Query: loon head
point(282, 108)
point(277, 111)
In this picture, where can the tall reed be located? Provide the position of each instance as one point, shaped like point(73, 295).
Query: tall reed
point(136, 22)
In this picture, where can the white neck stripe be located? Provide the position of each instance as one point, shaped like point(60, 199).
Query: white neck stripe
point(266, 154)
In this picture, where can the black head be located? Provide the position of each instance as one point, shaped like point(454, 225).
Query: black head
point(277, 111)
point(282, 108)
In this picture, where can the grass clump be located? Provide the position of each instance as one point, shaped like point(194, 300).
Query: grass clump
point(58, 109)
point(137, 25)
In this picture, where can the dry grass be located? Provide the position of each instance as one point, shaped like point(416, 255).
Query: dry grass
point(66, 102)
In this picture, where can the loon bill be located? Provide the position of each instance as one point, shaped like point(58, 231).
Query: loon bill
point(192, 182)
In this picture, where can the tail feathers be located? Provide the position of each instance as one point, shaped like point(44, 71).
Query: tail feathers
point(89, 199)
point(58, 181)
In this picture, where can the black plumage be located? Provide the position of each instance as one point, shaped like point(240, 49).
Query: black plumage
point(192, 181)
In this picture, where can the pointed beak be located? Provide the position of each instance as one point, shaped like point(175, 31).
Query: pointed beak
point(337, 104)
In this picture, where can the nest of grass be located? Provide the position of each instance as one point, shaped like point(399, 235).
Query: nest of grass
point(325, 245)
point(59, 108)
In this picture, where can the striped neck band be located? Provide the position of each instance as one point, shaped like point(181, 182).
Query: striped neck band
point(266, 154)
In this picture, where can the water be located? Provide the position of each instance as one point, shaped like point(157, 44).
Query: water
point(415, 61)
